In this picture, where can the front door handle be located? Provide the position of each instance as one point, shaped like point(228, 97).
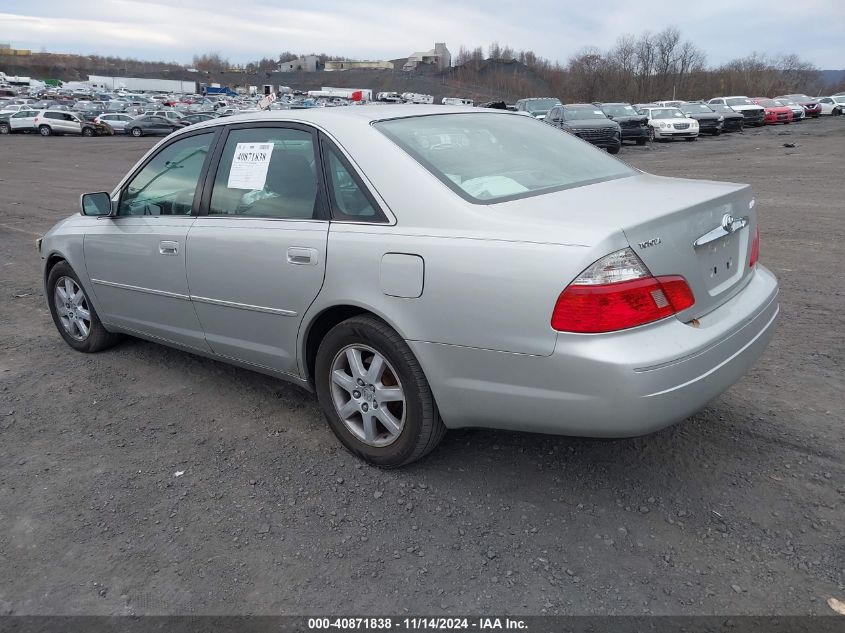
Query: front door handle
point(168, 247)
point(302, 256)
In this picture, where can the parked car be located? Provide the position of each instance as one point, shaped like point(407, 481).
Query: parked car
point(13, 107)
point(118, 121)
point(49, 122)
point(152, 126)
point(709, 121)
point(832, 105)
point(634, 125)
point(20, 121)
point(199, 117)
point(622, 302)
point(666, 123)
point(733, 120)
point(774, 113)
point(753, 113)
point(171, 115)
point(810, 105)
point(4, 122)
point(587, 121)
point(538, 107)
point(798, 113)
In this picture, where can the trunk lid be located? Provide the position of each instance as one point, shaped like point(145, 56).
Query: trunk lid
point(673, 225)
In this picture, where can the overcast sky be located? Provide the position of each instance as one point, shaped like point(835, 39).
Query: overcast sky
point(246, 30)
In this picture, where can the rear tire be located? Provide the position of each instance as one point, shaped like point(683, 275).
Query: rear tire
point(694, 138)
point(69, 311)
point(414, 427)
point(45, 130)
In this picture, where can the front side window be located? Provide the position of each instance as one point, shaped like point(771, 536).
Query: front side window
point(167, 184)
point(494, 157)
point(350, 200)
point(267, 173)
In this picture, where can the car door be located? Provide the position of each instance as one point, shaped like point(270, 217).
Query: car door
point(257, 252)
point(23, 120)
point(136, 257)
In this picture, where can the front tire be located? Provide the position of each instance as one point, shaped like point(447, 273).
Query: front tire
point(613, 150)
point(375, 395)
point(641, 141)
point(87, 131)
point(694, 138)
point(5, 129)
point(136, 132)
point(73, 313)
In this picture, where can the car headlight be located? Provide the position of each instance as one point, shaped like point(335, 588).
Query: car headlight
point(721, 118)
point(694, 123)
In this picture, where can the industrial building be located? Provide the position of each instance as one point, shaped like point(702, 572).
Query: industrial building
point(439, 57)
point(307, 64)
point(356, 65)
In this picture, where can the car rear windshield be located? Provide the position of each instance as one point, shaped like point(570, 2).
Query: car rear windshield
point(739, 101)
point(541, 105)
point(619, 110)
point(583, 113)
point(487, 158)
point(769, 103)
point(666, 113)
point(695, 108)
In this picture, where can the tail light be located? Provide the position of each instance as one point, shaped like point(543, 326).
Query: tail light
point(755, 247)
point(618, 292)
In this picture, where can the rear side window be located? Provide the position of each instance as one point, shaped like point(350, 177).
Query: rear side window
point(267, 173)
point(488, 158)
point(350, 199)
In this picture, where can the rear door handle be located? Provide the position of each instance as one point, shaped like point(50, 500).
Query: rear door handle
point(302, 256)
point(168, 247)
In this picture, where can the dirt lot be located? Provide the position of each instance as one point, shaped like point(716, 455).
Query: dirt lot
point(739, 510)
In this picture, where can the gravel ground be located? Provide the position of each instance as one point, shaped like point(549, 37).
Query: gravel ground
point(738, 510)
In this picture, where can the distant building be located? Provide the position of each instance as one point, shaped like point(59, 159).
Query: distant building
point(308, 64)
point(356, 65)
point(6, 49)
point(439, 57)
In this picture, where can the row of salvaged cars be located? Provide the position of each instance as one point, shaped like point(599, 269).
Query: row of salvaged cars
point(607, 125)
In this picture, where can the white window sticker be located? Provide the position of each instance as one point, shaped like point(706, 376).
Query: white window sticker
point(249, 166)
point(597, 112)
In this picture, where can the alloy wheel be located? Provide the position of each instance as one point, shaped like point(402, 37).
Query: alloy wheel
point(367, 395)
point(72, 308)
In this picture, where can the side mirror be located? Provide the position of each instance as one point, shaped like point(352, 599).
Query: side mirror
point(95, 204)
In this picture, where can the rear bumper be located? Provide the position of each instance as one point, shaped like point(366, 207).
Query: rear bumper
point(611, 385)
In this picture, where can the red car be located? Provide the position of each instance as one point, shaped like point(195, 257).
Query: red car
point(774, 113)
point(812, 108)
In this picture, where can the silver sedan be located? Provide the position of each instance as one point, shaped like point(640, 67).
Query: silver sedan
point(424, 268)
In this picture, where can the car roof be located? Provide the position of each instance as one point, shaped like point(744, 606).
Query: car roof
point(355, 115)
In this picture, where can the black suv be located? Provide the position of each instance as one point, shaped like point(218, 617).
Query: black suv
point(634, 125)
point(588, 122)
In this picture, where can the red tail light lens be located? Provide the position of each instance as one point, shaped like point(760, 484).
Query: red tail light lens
point(625, 304)
point(755, 247)
point(616, 293)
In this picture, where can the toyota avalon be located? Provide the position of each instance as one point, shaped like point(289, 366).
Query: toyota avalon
point(423, 268)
